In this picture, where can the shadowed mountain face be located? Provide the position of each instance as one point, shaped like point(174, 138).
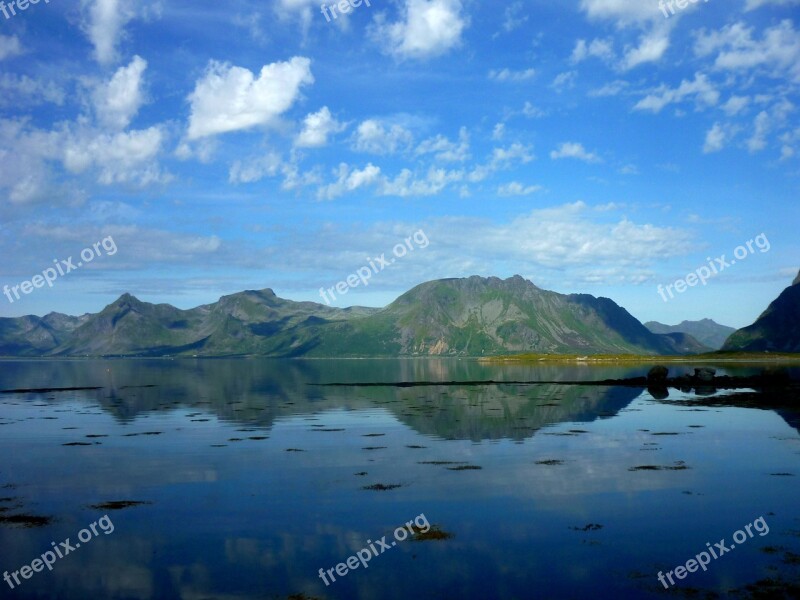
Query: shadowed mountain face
point(475, 316)
point(776, 330)
point(705, 331)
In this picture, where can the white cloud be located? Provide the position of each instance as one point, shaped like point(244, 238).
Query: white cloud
point(350, 180)
point(565, 80)
point(532, 112)
point(406, 184)
point(256, 169)
point(376, 137)
point(716, 138)
point(652, 46)
point(499, 131)
point(574, 150)
point(512, 19)
point(230, 98)
point(127, 157)
point(703, 91)
point(777, 53)
point(272, 164)
point(429, 28)
point(9, 46)
point(624, 12)
point(597, 48)
point(14, 88)
point(317, 127)
point(612, 88)
point(118, 101)
point(735, 105)
point(444, 150)
point(517, 189)
point(768, 121)
point(510, 75)
point(105, 26)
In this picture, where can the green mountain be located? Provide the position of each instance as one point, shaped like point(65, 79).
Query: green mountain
point(475, 316)
point(480, 316)
point(705, 331)
point(776, 330)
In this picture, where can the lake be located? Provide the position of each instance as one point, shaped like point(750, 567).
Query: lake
point(244, 478)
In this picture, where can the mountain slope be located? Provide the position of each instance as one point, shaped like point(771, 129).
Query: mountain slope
point(705, 331)
point(776, 330)
point(35, 336)
point(250, 322)
point(480, 316)
point(475, 316)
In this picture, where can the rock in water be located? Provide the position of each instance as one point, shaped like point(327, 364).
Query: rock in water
point(705, 374)
point(657, 375)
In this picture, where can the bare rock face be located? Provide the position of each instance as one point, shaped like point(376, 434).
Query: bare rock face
point(796, 279)
point(657, 376)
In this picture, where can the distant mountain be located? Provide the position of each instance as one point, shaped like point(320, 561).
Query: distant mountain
point(705, 331)
point(776, 330)
point(36, 336)
point(475, 316)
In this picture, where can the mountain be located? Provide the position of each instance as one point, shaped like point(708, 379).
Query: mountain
point(475, 316)
point(776, 330)
point(480, 316)
point(705, 331)
point(36, 336)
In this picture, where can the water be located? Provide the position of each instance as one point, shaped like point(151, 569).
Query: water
point(251, 480)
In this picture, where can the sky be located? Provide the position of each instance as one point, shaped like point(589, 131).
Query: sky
point(197, 149)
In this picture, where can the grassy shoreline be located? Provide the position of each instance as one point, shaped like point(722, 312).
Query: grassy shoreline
point(709, 357)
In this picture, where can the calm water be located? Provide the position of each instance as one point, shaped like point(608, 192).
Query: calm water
point(252, 480)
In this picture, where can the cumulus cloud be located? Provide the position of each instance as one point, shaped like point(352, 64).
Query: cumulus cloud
point(374, 136)
point(445, 150)
point(104, 26)
point(515, 188)
point(428, 28)
point(14, 88)
point(652, 46)
point(597, 48)
point(574, 150)
point(317, 127)
point(230, 98)
point(701, 89)
point(126, 157)
point(350, 180)
point(511, 75)
point(777, 53)
point(716, 137)
point(117, 101)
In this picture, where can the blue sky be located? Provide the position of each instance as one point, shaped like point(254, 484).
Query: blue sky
point(591, 146)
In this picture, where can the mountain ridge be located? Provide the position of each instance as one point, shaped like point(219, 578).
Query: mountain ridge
point(706, 331)
point(777, 329)
point(472, 316)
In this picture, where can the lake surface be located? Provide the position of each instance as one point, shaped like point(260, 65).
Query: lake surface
point(251, 480)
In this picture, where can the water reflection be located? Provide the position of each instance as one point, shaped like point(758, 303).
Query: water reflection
point(255, 480)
